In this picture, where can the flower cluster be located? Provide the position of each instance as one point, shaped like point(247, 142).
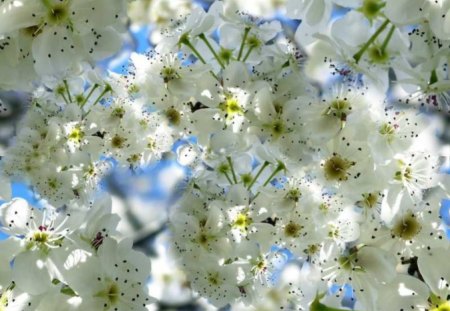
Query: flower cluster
point(79, 129)
point(315, 181)
point(52, 37)
point(69, 257)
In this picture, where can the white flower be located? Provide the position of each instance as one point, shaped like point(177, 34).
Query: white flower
point(216, 282)
point(364, 268)
point(39, 236)
point(158, 76)
point(436, 276)
point(114, 279)
point(65, 32)
point(404, 292)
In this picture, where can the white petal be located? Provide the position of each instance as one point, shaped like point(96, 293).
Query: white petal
point(15, 14)
point(30, 273)
point(16, 216)
point(435, 271)
point(98, 44)
point(55, 51)
point(405, 12)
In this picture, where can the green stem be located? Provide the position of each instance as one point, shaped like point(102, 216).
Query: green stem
point(232, 169)
point(244, 38)
point(248, 53)
point(65, 99)
point(204, 39)
point(228, 178)
point(197, 54)
point(254, 198)
point(106, 90)
point(66, 85)
point(279, 168)
point(263, 167)
point(89, 95)
point(388, 38)
point(194, 50)
point(363, 49)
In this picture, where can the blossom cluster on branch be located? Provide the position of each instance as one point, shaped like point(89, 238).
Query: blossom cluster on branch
point(315, 177)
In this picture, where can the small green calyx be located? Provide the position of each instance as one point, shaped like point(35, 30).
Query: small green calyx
point(223, 168)
point(184, 39)
point(225, 55)
point(371, 8)
point(378, 55)
point(246, 179)
point(253, 42)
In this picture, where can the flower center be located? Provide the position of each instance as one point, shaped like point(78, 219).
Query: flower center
point(312, 249)
point(277, 128)
point(52, 183)
point(407, 228)
point(231, 107)
point(370, 199)
point(118, 112)
point(57, 13)
point(387, 130)
point(293, 195)
point(336, 168)
point(173, 116)
point(76, 134)
point(292, 230)
point(405, 174)
point(339, 108)
point(98, 240)
point(242, 222)
point(213, 278)
point(111, 293)
point(40, 237)
point(168, 74)
point(118, 141)
point(443, 307)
